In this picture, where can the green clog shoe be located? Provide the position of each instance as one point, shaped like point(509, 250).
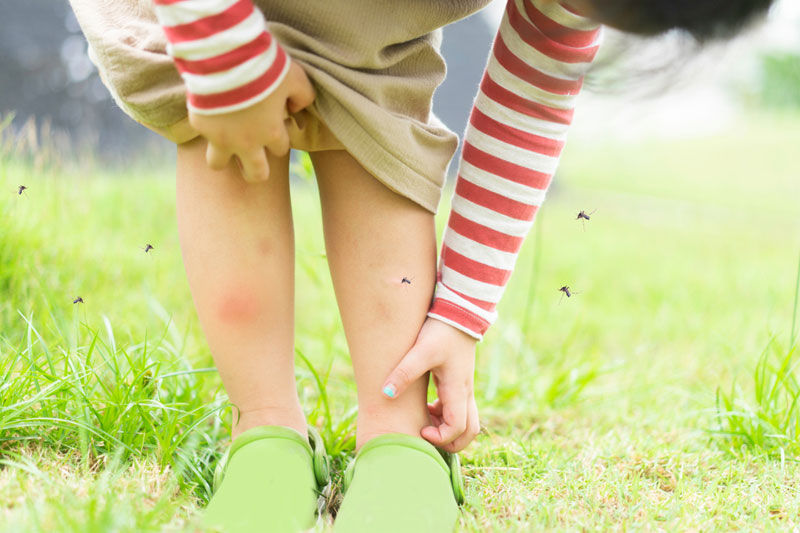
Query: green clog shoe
point(400, 483)
point(268, 480)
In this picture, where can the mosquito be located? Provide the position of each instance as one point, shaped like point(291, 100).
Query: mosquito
point(583, 217)
point(148, 248)
point(78, 300)
point(406, 280)
point(22, 189)
point(566, 290)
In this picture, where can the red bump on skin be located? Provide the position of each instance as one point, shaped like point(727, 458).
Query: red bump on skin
point(237, 307)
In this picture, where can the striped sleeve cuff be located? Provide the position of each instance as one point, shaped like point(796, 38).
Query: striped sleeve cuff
point(461, 313)
point(223, 51)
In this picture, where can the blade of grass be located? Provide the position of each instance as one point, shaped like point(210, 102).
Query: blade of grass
point(796, 299)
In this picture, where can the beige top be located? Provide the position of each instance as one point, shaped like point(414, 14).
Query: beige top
point(374, 64)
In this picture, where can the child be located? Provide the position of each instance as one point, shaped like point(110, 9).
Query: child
point(352, 82)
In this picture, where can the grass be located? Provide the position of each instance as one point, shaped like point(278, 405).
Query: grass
point(102, 401)
point(596, 409)
point(771, 422)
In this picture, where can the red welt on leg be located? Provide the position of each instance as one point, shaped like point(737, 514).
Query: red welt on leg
point(238, 307)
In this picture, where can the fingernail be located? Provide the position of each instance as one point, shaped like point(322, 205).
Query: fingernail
point(389, 390)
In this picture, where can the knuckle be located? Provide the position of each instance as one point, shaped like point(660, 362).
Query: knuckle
point(474, 429)
point(220, 139)
point(246, 147)
point(308, 98)
point(427, 356)
point(432, 356)
point(459, 427)
point(447, 412)
point(282, 148)
point(273, 134)
point(402, 375)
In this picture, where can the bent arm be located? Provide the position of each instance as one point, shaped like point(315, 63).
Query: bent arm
point(223, 51)
point(516, 132)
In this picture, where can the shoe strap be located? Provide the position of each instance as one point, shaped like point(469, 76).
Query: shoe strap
point(320, 458)
point(456, 476)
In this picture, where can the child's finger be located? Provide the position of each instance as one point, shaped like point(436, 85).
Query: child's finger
point(216, 157)
point(412, 367)
point(255, 167)
point(473, 428)
point(278, 141)
point(301, 94)
point(454, 414)
point(435, 408)
point(435, 413)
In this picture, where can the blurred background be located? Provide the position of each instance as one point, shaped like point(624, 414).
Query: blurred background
point(659, 88)
point(626, 406)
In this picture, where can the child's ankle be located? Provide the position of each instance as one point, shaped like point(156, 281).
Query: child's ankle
point(372, 423)
point(292, 417)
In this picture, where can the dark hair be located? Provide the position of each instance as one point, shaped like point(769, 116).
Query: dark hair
point(703, 19)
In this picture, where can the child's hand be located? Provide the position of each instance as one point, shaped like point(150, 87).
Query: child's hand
point(244, 134)
point(449, 354)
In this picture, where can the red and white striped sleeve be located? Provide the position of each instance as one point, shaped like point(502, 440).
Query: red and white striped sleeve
point(512, 146)
point(223, 51)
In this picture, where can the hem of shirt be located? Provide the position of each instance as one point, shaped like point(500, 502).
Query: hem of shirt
point(382, 163)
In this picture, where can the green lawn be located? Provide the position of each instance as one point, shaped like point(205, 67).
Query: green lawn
point(598, 409)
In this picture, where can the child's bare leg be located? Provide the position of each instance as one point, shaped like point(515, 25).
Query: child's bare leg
point(375, 238)
point(237, 242)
